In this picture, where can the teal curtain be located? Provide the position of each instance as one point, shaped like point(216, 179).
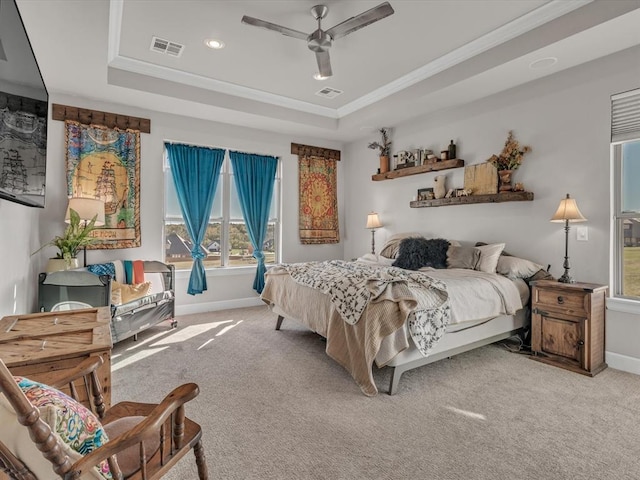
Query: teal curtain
point(254, 176)
point(195, 172)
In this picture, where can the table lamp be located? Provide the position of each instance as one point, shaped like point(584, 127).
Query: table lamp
point(567, 212)
point(373, 222)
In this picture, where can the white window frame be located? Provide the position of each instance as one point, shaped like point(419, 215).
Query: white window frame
point(625, 123)
point(620, 301)
point(224, 182)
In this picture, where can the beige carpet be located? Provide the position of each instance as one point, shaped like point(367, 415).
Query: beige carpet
point(274, 406)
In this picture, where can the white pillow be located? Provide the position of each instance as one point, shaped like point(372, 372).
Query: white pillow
point(514, 267)
point(157, 285)
point(489, 256)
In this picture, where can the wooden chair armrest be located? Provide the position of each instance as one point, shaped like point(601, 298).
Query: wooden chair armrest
point(128, 409)
point(83, 369)
point(152, 423)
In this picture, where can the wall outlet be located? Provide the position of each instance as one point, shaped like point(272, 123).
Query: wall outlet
point(582, 233)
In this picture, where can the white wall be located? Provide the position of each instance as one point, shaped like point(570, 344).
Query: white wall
point(25, 229)
point(565, 118)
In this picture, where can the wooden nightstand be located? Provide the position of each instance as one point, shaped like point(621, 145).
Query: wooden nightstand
point(567, 325)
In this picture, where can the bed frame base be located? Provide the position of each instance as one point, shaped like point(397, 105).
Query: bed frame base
point(398, 370)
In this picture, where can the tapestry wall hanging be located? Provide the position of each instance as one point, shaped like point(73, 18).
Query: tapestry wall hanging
point(318, 219)
point(104, 163)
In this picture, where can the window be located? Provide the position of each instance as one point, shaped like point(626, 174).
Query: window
point(226, 242)
point(626, 194)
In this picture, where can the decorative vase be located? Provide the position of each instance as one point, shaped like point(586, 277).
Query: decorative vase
point(384, 164)
point(57, 264)
point(504, 177)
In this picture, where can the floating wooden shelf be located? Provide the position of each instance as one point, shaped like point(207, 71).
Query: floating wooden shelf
point(493, 198)
point(427, 167)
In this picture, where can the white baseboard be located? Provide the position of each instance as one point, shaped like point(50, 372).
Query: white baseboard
point(214, 306)
point(623, 362)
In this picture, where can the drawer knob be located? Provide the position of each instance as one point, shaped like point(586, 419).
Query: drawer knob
point(580, 343)
point(560, 299)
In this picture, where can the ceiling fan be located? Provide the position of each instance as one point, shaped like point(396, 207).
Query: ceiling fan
point(320, 40)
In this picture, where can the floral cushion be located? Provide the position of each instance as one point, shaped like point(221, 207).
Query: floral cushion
point(78, 429)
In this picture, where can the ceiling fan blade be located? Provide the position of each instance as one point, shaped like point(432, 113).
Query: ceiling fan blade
point(289, 32)
point(324, 63)
point(365, 18)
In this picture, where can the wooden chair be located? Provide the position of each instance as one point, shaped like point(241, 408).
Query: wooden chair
point(145, 440)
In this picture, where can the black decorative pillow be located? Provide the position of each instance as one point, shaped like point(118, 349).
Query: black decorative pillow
point(415, 253)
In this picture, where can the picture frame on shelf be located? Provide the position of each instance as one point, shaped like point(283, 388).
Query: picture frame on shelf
point(425, 194)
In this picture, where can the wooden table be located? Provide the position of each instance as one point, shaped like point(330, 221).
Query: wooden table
point(41, 346)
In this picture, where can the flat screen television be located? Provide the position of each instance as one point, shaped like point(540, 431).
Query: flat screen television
point(24, 102)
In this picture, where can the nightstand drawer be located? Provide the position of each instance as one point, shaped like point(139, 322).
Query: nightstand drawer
point(572, 303)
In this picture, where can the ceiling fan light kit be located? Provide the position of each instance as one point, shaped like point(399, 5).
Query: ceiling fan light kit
point(319, 41)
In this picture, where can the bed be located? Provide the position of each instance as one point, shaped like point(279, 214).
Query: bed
point(372, 312)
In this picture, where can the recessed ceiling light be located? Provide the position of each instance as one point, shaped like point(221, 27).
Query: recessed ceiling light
point(213, 43)
point(543, 63)
point(317, 76)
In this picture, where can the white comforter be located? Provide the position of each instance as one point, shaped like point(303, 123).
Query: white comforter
point(473, 295)
point(477, 295)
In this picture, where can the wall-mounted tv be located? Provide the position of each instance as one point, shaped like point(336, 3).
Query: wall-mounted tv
point(24, 104)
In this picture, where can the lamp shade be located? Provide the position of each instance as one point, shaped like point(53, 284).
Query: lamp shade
point(568, 211)
point(373, 221)
point(87, 208)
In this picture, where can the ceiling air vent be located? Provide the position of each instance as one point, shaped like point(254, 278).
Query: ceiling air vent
point(328, 92)
point(161, 45)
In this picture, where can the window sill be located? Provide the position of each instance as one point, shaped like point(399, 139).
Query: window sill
point(219, 272)
point(624, 305)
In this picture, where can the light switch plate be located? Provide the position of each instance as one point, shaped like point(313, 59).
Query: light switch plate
point(582, 233)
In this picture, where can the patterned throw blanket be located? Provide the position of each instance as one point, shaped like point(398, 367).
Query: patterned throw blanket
point(352, 286)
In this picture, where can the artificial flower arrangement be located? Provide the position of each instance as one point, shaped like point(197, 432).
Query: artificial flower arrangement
point(384, 146)
point(511, 156)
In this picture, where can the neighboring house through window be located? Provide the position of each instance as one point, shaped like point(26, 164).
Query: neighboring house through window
point(226, 242)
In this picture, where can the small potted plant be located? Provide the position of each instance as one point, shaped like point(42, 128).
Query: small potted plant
point(75, 237)
point(384, 148)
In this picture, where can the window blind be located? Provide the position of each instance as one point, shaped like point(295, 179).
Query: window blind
point(625, 116)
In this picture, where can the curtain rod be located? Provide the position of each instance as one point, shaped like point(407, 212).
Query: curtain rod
point(221, 148)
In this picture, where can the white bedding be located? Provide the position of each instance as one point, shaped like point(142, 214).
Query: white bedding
point(473, 296)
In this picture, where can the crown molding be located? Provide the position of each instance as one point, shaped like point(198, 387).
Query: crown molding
point(509, 31)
